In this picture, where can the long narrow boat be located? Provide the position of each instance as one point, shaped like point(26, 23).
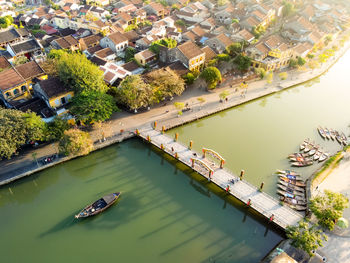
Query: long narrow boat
point(296, 197)
point(308, 147)
point(321, 132)
point(313, 150)
point(332, 134)
point(292, 200)
point(288, 172)
point(291, 177)
point(99, 206)
point(317, 155)
point(328, 134)
point(291, 191)
point(344, 139)
point(302, 164)
point(304, 143)
point(338, 137)
point(323, 157)
point(293, 186)
point(294, 155)
point(299, 183)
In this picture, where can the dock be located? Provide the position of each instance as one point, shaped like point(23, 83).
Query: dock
point(236, 186)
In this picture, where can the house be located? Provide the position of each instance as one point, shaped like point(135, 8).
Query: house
point(145, 57)
point(191, 56)
point(302, 49)
point(106, 54)
point(4, 63)
point(91, 51)
point(243, 35)
point(98, 2)
point(209, 53)
point(31, 72)
point(113, 73)
point(12, 35)
point(132, 37)
point(89, 41)
point(219, 43)
point(156, 9)
point(115, 41)
point(250, 22)
point(12, 86)
point(68, 42)
point(53, 92)
point(30, 48)
point(133, 67)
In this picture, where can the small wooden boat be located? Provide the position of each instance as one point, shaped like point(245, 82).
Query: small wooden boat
point(323, 157)
point(286, 194)
point(299, 183)
point(332, 134)
point(328, 134)
point(313, 150)
point(291, 177)
point(308, 147)
point(295, 207)
point(344, 139)
point(287, 172)
point(304, 143)
point(317, 155)
point(292, 200)
point(291, 191)
point(99, 206)
point(302, 164)
point(294, 155)
point(338, 136)
point(292, 186)
point(321, 132)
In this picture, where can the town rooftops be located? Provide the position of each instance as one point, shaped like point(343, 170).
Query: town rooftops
point(103, 53)
point(4, 63)
point(224, 39)
point(10, 78)
point(66, 42)
point(53, 87)
point(209, 53)
point(246, 35)
point(146, 54)
point(90, 40)
point(29, 70)
point(190, 50)
point(117, 38)
point(9, 35)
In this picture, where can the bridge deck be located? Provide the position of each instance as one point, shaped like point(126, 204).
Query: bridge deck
point(241, 189)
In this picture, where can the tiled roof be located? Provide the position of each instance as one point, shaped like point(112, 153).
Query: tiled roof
point(262, 48)
point(67, 42)
point(91, 40)
point(53, 87)
point(117, 38)
point(198, 31)
point(209, 53)
point(224, 39)
point(190, 50)
point(9, 35)
point(10, 78)
point(131, 66)
point(146, 54)
point(25, 46)
point(103, 53)
point(94, 49)
point(29, 70)
point(245, 34)
point(4, 63)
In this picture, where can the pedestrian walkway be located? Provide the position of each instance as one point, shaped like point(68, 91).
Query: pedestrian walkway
point(263, 203)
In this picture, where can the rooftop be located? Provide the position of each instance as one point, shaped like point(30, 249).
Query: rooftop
point(9, 79)
point(190, 50)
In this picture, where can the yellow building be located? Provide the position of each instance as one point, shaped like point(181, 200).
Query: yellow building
point(191, 56)
point(53, 92)
point(12, 85)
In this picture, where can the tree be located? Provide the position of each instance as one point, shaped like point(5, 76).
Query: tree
point(165, 83)
point(328, 208)
point(6, 21)
point(310, 56)
point(223, 57)
point(179, 106)
point(322, 58)
point(261, 72)
point(223, 95)
point(243, 62)
point(301, 61)
point(189, 78)
point(56, 128)
point(234, 49)
point(165, 42)
point(234, 21)
point(212, 76)
point(313, 64)
point(293, 63)
point(76, 71)
point(222, 2)
point(258, 31)
point(75, 142)
point(283, 75)
point(92, 106)
point(129, 54)
point(288, 9)
point(20, 60)
point(18, 128)
point(305, 237)
point(328, 39)
point(133, 92)
point(174, 7)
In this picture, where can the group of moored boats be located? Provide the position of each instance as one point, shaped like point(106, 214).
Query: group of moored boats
point(291, 189)
point(331, 134)
point(309, 153)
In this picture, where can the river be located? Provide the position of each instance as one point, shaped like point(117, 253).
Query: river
point(168, 213)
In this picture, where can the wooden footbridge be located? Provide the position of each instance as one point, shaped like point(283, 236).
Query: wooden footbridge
point(263, 203)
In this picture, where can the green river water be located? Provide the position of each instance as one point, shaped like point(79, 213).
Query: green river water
point(168, 213)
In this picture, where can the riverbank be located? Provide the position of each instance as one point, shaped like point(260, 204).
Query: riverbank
point(167, 115)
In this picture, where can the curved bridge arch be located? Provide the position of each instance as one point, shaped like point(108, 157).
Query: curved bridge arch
point(215, 155)
point(202, 165)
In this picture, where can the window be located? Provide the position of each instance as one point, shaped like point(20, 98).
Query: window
point(16, 91)
point(63, 100)
point(57, 102)
point(23, 88)
point(8, 94)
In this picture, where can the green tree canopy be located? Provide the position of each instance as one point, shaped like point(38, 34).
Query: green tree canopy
point(288, 8)
point(211, 75)
point(6, 21)
point(223, 57)
point(328, 208)
point(129, 54)
point(18, 128)
point(258, 31)
point(165, 83)
point(165, 42)
point(305, 237)
point(243, 62)
point(56, 128)
point(133, 92)
point(92, 106)
point(301, 61)
point(234, 48)
point(75, 142)
point(76, 71)
point(293, 63)
point(261, 72)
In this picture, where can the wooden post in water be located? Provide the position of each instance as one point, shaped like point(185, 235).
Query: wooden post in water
point(176, 137)
point(192, 160)
point(163, 129)
point(222, 163)
point(162, 146)
point(191, 144)
point(261, 186)
point(155, 125)
point(148, 138)
point(241, 176)
point(176, 155)
point(137, 132)
point(249, 202)
point(203, 153)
